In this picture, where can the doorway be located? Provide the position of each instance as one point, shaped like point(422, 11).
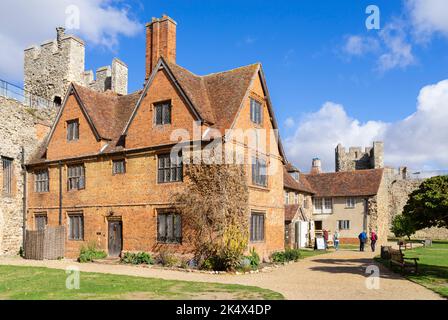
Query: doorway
point(115, 238)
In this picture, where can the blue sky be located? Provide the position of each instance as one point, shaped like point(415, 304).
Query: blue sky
point(323, 90)
point(298, 43)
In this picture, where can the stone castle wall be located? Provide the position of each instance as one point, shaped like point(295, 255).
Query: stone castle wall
point(399, 190)
point(51, 67)
point(19, 126)
point(357, 159)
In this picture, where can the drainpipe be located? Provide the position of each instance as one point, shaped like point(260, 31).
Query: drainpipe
point(24, 198)
point(60, 193)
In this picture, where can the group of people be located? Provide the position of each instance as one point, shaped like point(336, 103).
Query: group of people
point(362, 239)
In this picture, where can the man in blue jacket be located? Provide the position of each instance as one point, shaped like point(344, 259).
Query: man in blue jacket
point(362, 240)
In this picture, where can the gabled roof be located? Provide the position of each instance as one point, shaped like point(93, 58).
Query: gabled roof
point(343, 184)
point(290, 183)
point(214, 99)
point(291, 210)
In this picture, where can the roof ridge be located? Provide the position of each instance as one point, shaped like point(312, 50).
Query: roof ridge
point(231, 70)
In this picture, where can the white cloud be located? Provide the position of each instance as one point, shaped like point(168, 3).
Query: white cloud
point(289, 122)
point(358, 45)
point(398, 50)
point(390, 45)
point(25, 23)
point(428, 16)
point(419, 141)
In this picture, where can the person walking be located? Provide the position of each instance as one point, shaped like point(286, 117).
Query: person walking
point(336, 240)
point(373, 239)
point(362, 240)
point(326, 239)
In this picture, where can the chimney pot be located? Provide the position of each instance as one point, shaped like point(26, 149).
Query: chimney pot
point(316, 166)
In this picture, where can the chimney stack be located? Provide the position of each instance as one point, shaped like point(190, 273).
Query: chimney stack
point(316, 166)
point(60, 33)
point(160, 42)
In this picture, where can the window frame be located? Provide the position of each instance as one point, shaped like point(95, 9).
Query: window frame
point(343, 224)
point(37, 216)
point(79, 215)
point(174, 228)
point(350, 202)
point(7, 175)
point(74, 134)
point(258, 179)
point(177, 168)
point(39, 181)
point(114, 171)
point(254, 233)
point(81, 177)
point(256, 111)
point(165, 106)
point(327, 209)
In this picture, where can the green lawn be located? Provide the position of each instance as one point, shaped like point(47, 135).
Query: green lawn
point(306, 253)
point(433, 266)
point(33, 283)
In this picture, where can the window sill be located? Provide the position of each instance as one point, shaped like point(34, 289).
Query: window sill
point(257, 241)
point(77, 240)
point(253, 186)
point(170, 182)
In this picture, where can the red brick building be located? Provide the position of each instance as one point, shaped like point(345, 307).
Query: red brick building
point(105, 171)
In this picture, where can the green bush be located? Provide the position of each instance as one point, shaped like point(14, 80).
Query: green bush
point(90, 253)
point(168, 259)
point(285, 256)
point(137, 258)
point(254, 259)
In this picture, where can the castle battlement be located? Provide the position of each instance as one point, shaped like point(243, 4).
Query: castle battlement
point(50, 68)
point(358, 159)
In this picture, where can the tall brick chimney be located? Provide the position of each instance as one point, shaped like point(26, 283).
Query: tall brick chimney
point(160, 42)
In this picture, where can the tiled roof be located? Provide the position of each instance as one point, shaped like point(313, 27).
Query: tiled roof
point(216, 98)
point(290, 211)
point(343, 184)
point(290, 183)
point(108, 110)
point(290, 167)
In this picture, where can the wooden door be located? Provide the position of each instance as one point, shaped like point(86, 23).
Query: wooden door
point(115, 238)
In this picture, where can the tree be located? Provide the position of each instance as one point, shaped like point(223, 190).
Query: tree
point(402, 226)
point(428, 205)
point(214, 209)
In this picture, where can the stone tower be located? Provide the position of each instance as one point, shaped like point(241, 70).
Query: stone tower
point(358, 159)
point(51, 67)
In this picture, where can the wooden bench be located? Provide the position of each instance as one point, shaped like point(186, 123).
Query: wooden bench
point(397, 258)
point(405, 245)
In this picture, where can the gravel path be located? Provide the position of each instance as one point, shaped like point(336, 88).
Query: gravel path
point(336, 275)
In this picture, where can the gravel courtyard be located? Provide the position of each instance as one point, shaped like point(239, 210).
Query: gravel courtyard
point(336, 275)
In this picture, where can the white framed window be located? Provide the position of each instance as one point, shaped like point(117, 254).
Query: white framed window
point(296, 198)
point(323, 205)
point(328, 205)
point(343, 224)
point(286, 197)
point(350, 202)
point(317, 205)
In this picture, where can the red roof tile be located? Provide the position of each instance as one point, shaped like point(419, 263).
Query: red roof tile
point(343, 184)
point(290, 183)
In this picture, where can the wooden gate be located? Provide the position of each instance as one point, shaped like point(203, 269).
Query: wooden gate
point(46, 244)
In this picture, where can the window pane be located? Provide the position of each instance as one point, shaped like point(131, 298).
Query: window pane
point(158, 114)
